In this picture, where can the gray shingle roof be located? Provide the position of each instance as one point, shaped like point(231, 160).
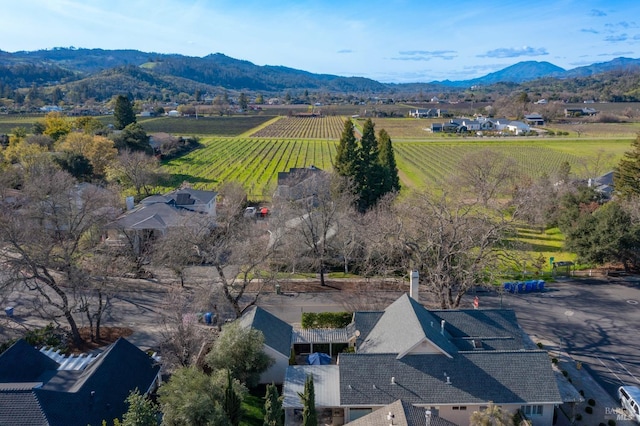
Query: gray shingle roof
point(364, 322)
point(475, 377)
point(404, 414)
point(23, 363)
point(151, 216)
point(195, 196)
point(277, 333)
point(497, 329)
point(24, 409)
point(76, 397)
point(403, 325)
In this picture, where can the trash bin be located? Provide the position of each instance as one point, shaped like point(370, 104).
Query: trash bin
point(207, 318)
point(278, 289)
point(9, 311)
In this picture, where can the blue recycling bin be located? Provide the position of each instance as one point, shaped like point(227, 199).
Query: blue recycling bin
point(540, 285)
point(521, 287)
point(207, 318)
point(9, 311)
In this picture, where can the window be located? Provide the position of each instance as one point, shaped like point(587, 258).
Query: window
point(459, 407)
point(532, 410)
point(356, 413)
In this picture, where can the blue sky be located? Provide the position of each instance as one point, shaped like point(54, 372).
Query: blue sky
point(389, 41)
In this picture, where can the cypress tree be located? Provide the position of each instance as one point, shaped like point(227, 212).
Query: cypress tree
point(308, 397)
point(123, 112)
point(388, 161)
point(369, 173)
point(627, 175)
point(273, 414)
point(347, 155)
point(232, 404)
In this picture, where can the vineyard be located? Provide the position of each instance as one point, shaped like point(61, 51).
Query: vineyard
point(328, 127)
point(429, 163)
point(219, 126)
point(255, 162)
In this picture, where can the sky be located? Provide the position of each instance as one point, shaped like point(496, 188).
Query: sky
point(391, 41)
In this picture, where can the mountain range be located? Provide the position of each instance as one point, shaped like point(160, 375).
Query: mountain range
point(99, 73)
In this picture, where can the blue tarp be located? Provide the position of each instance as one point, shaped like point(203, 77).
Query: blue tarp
point(318, 358)
point(524, 287)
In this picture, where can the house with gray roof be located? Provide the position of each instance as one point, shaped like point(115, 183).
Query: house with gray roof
point(450, 363)
point(277, 341)
point(154, 215)
point(36, 390)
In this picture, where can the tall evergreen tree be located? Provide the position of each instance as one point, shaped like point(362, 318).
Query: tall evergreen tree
point(369, 177)
point(347, 155)
point(308, 397)
point(273, 414)
point(232, 403)
point(123, 112)
point(388, 161)
point(627, 175)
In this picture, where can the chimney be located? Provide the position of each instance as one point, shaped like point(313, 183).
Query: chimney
point(413, 286)
point(427, 415)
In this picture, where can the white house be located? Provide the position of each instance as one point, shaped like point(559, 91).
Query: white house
point(518, 128)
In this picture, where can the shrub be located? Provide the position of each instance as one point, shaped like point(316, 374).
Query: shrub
point(326, 319)
point(611, 422)
point(591, 402)
point(581, 392)
point(565, 373)
point(588, 409)
point(578, 417)
point(540, 345)
point(554, 361)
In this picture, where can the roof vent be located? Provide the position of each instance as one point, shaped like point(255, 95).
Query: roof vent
point(349, 386)
point(477, 344)
point(427, 415)
point(448, 380)
point(442, 326)
point(393, 380)
point(374, 386)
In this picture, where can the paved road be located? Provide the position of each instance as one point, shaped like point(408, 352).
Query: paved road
point(596, 322)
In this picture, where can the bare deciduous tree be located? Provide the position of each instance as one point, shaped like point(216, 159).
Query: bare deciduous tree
point(48, 235)
point(485, 175)
point(137, 170)
point(454, 245)
point(309, 215)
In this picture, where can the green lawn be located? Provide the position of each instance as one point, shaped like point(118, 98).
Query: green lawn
point(253, 406)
